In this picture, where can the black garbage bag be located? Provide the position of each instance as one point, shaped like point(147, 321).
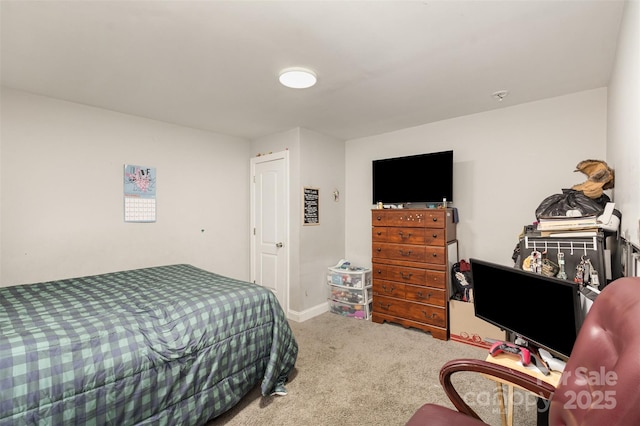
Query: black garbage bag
point(570, 199)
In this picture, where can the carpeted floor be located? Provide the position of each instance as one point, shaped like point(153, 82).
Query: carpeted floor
point(353, 371)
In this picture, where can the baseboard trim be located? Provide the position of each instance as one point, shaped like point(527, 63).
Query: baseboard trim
point(308, 313)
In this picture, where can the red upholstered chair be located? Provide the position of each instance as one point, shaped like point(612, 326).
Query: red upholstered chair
point(600, 384)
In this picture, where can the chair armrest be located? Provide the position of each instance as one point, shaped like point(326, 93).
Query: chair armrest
point(506, 374)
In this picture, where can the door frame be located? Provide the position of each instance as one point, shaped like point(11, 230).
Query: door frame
point(284, 155)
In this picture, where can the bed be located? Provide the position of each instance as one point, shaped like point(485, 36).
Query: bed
point(163, 345)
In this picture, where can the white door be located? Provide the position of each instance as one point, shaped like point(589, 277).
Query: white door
point(270, 224)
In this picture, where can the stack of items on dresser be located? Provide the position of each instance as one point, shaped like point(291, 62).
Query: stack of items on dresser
point(562, 226)
point(568, 239)
point(582, 210)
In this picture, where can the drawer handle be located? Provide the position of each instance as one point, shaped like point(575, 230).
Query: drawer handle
point(379, 249)
point(435, 219)
point(404, 237)
point(379, 218)
point(435, 255)
point(422, 296)
point(387, 306)
point(435, 235)
point(432, 316)
point(406, 277)
point(379, 271)
point(384, 287)
point(380, 233)
point(402, 252)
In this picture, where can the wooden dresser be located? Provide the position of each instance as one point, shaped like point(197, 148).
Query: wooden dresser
point(411, 269)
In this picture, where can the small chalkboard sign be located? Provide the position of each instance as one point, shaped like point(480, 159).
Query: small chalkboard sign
point(311, 210)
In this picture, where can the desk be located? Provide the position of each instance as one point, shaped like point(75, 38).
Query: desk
point(513, 361)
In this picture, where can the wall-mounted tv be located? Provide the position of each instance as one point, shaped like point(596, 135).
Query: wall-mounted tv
point(422, 178)
point(542, 310)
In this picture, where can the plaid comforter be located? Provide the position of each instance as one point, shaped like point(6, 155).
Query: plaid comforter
point(164, 345)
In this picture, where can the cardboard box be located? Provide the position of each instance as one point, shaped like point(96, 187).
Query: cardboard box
point(465, 327)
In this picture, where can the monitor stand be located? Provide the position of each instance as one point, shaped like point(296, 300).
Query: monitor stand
point(542, 418)
point(534, 354)
point(542, 405)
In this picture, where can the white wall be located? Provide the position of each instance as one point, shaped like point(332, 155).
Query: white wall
point(623, 136)
point(506, 162)
point(323, 167)
point(62, 193)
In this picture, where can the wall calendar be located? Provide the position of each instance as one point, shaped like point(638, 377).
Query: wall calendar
point(139, 193)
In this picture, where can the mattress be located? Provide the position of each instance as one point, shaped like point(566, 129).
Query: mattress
point(163, 345)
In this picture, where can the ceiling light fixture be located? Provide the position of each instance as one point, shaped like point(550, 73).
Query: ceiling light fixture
point(500, 95)
point(298, 78)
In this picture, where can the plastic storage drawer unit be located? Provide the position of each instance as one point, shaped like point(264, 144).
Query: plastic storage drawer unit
point(350, 292)
point(359, 311)
point(348, 295)
point(356, 278)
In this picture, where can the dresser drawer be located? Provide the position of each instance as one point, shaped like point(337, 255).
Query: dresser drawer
point(437, 279)
point(424, 254)
point(428, 295)
point(400, 252)
point(430, 218)
point(407, 275)
point(435, 237)
point(436, 255)
point(414, 311)
point(427, 313)
point(388, 288)
point(419, 236)
point(399, 235)
point(400, 273)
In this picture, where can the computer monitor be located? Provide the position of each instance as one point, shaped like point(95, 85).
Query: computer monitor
point(542, 310)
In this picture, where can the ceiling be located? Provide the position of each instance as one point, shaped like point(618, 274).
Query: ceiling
point(381, 65)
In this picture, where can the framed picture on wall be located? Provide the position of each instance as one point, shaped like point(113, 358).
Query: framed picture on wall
point(311, 206)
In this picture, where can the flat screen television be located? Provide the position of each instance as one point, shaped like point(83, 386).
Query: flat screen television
point(543, 311)
point(422, 178)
